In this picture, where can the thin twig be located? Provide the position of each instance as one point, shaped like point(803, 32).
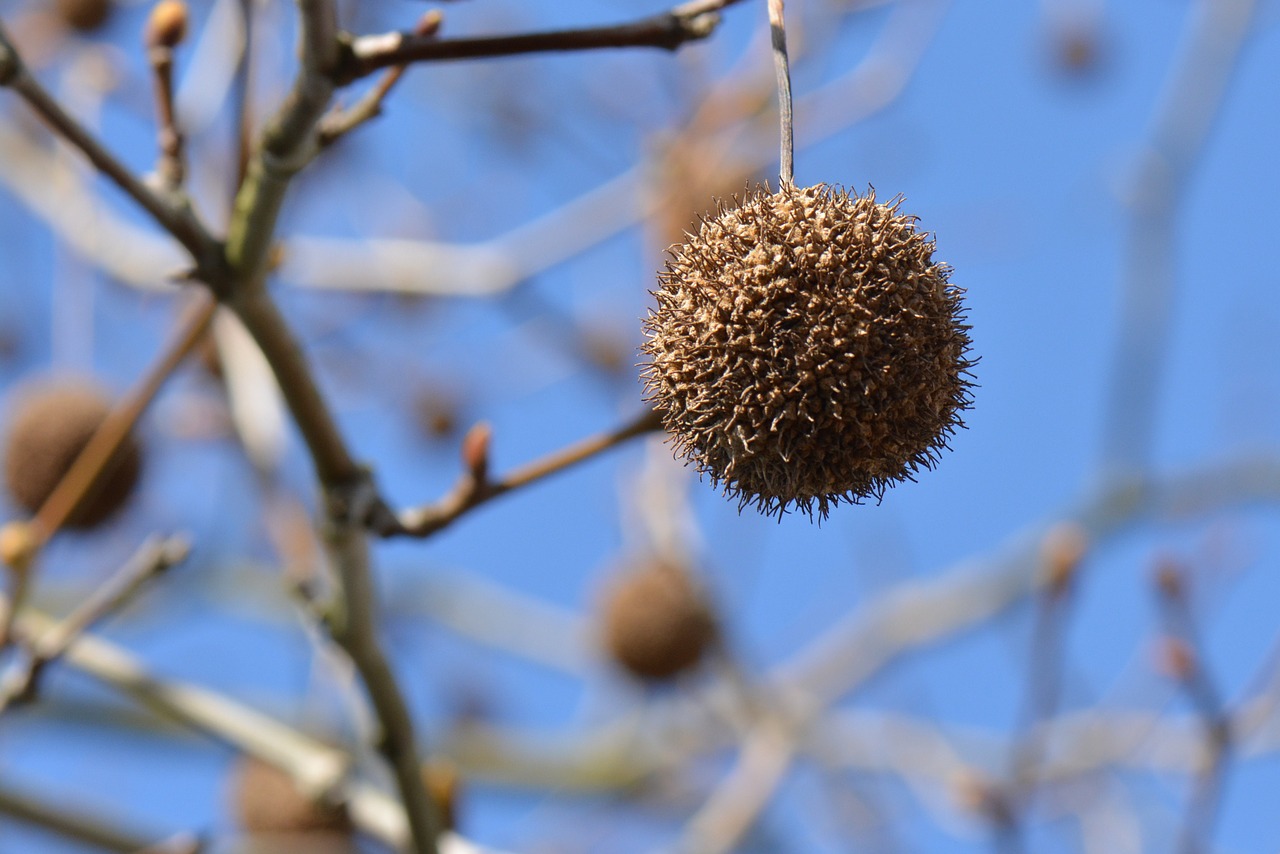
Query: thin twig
point(1191, 669)
point(726, 817)
point(171, 163)
point(339, 123)
point(174, 216)
point(287, 146)
point(73, 823)
point(669, 30)
point(153, 558)
point(778, 36)
point(1190, 105)
point(111, 434)
point(333, 461)
point(473, 490)
point(354, 629)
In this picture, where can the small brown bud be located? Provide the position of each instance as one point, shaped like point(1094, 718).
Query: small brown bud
point(166, 25)
point(1175, 658)
point(655, 623)
point(1170, 579)
point(18, 546)
point(1063, 549)
point(441, 780)
point(475, 451)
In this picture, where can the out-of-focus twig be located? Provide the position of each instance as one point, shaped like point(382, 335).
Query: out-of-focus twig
point(1188, 108)
point(669, 30)
point(724, 819)
point(476, 488)
point(1186, 661)
point(93, 459)
point(165, 29)
point(354, 628)
point(1061, 553)
point(72, 822)
point(152, 558)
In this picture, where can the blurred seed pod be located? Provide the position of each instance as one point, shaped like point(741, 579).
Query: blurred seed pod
point(84, 15)
point(267, 801)
point(655, 623)
point(49, 427)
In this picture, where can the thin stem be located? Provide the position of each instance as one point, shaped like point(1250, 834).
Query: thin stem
point(668, 30)
point(171, 166)
point(287, 145)
point(354, 629)
point(1202, 691)
point(153, 558)
point(473, 490)
point(341, 122)
point(173, 216)
point(778, 33)
point(70, 822)
point(108, 438)
point(261, 317)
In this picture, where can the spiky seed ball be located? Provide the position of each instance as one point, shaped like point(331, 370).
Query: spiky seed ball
point(84, 15)
point(49, 427)
point(268, 801)
point(807, 349)
point(655, 623)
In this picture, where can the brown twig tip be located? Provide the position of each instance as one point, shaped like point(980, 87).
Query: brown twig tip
point(1175, 658)
point(1170, 579)
point(1063, 550)
point(475, 451)
point(18, 546)
point(166, 25)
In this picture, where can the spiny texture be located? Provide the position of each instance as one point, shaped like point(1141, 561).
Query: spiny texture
point(49, 427)
point(656, 625)
point(807, 350)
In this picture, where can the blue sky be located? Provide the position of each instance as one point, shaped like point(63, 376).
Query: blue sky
point(1022, 169)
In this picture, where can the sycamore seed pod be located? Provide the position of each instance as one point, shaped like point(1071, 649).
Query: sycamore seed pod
point(807, 349)
point(655, 623)
point(267, 801)
point(48, 429)
point(84, 15)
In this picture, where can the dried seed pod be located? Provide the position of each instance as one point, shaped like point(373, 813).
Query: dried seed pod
point(50, 426)
point(655, 623)
point(84, 15)
point(807, 349)
point(268, 801)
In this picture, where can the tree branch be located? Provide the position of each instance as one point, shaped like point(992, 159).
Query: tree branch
point(173, 214)
point(475, 487)
point(668, 31)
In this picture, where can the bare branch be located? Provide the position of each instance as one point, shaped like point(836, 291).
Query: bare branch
point(668, 30)
point(473, 490)
point(173, 215)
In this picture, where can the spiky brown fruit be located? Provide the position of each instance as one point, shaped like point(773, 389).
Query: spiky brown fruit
point(655, 623)
point(807, 349)
point(84, 15)
point(267, 801)
point(49, 427)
